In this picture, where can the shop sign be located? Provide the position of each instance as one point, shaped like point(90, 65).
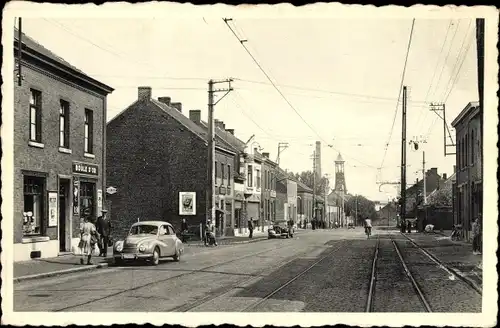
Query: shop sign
point(99, 202)
point(53, 212)
point(85, 168)
point(111, 190)
point(187, 203)
point(76, 196)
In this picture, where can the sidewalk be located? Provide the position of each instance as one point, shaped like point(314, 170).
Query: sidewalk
point(69, 263)
point(53, 266)
point(456, 255)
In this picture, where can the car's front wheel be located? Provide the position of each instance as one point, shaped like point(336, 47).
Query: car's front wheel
point(156, 257)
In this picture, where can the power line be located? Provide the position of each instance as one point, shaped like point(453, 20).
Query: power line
point(399, 93)
point(435, 70)
point(242, 42)
point(455, 80)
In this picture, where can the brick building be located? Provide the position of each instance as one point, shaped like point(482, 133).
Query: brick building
point(268, 191)
point(468, 189)
point(414, 194)
point(155, 154)
point(59, 153)
point(286, 197)
point(304, 204)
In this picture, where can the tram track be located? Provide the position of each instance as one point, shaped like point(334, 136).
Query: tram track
point(190, 272)
point(227, 290)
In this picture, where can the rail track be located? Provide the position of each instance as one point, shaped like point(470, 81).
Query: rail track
point(373, 278)
point(227, 290)
point(267, 250)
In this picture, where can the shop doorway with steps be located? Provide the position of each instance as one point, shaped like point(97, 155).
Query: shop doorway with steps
point(63, 215)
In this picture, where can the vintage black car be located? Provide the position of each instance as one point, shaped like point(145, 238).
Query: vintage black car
point(280, 229)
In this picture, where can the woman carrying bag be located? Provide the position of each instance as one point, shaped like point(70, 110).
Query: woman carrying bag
point(88, 241)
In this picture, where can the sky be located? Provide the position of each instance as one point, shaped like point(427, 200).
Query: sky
point(340, 80)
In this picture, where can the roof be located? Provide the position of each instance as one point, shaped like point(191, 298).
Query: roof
point(222, 137)
point(302, 187)
point(469, 108)
point(339, 158)
point(30, 45)
point(156, 223)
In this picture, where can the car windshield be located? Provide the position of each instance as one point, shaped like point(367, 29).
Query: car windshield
point(143, 229)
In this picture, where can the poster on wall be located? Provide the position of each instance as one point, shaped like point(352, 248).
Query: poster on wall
point(187, 203)
point(99, 202)
point(53, 213)
point(76, 196)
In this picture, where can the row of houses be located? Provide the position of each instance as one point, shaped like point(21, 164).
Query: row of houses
point(464, 186)
point(147, 163)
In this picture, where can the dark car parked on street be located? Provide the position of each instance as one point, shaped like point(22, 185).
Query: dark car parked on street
point(279, 229)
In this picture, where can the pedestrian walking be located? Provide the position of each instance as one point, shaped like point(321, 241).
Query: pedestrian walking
point(104, 229)
point(475, 237)
point(250, 228)
point(88, 240)
point(408, 225)
point(184, 230)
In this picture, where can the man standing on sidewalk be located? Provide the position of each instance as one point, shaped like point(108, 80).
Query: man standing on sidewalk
point(104, 230)
point(250, 228)
point(476, 228)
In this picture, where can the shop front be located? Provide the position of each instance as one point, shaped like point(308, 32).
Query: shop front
point(87, 197)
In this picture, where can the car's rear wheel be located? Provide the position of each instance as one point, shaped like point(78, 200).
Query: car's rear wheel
point(177, 256)
point(156, 257)
point(118, 262)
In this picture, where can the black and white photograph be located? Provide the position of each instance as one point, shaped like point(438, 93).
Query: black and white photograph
point(249, 164)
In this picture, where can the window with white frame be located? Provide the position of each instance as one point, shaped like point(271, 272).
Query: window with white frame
point(64, 124)
point(89, 131)
point(35, 115)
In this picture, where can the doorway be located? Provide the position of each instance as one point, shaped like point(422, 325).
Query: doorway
point(63, 213)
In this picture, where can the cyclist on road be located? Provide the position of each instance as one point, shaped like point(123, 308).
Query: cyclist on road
point(368, 227)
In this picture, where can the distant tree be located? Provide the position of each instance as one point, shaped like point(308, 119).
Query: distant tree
point(442, 197)
point(365, 208)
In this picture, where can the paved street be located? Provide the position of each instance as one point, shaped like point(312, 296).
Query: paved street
point(317, 271)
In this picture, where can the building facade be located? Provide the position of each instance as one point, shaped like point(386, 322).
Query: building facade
point(286, 197)
point(468, 188)
point(59, 152)
point(304, 204)
point(268, 190)
point(156, 160)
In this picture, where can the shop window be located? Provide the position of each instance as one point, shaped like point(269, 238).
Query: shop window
point(89, 131)
point(87, 200)
point(64, 124)
point(35, 116)
point(33, 206)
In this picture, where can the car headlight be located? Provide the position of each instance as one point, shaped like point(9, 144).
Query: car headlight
point(142, 248)
point(119, 246)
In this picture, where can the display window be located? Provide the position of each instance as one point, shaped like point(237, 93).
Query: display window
point(87, 200)
point(33, 206)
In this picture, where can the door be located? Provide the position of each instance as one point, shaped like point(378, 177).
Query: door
point(167, 243)
point(63, 192)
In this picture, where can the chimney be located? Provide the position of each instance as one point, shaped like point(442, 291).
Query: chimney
point(195, 115)
point(434, 170)
point(220, 124)
point(230, 131)
point(177, 105)
point(144, 93)
point(445, 176)
point(266, 155)
point(165, 100)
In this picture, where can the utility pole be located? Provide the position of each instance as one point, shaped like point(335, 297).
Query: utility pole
point(325, 205)
point(423, 174)
point(19, 52)
point(356, 210)
point(314, 186)
point(210, 203)
point(281, 146)
point(436, 108)
point(403, 160)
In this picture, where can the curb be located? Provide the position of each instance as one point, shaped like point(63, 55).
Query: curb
point(60, 272)
point(231, 243)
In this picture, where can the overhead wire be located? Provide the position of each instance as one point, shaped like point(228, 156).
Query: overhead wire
point(435, 71)
point(399, 93)
point(242, 42)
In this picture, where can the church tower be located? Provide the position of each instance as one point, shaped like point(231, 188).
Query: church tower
point(340, 185)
